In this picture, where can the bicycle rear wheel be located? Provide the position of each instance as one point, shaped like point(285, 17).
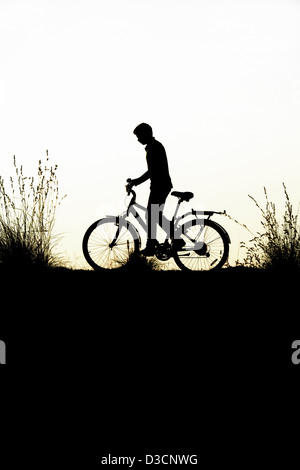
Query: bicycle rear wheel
point(206, 246)
point(108, 244)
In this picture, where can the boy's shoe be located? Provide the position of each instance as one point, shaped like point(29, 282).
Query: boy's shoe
point(150, 248)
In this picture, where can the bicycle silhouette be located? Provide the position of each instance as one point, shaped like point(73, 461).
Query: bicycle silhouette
point(196, 243)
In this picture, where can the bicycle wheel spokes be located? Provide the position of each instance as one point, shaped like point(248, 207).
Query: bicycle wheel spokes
point(206, 247)
point(107, 245)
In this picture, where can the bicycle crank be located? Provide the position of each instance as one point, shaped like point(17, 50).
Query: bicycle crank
point(163, 252)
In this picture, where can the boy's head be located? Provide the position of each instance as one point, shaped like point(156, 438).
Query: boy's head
point(144, 133)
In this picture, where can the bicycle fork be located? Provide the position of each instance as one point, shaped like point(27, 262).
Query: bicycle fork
point(114, 241)
point(117, 234)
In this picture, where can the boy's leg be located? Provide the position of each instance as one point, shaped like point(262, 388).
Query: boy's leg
point(154, 212)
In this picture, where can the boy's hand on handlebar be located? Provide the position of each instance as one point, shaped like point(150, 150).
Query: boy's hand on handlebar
point(129, 185)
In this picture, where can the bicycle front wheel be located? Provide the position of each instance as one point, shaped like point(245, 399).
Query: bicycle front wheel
point(108, 244)
point(206, 246)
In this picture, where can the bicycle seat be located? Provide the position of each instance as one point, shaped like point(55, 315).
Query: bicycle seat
point(185, 196)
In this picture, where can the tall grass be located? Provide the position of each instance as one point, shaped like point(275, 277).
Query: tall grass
point(278, 247)
point(27, 217)
point(138, 263)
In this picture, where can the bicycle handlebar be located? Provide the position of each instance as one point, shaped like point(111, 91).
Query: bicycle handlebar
point(128, 186)
point(130, 191)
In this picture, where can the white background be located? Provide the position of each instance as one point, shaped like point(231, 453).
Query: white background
point(218, 81)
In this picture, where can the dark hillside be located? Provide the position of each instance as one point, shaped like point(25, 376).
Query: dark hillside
point(153, 361)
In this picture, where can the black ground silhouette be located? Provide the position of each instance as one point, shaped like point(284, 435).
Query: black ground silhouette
point(124, 363)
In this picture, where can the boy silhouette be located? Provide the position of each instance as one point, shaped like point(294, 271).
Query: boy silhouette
point(160, 182)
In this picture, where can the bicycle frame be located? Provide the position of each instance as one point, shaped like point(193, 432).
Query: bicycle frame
point(166, 224)
point(195, 242)
point(173, 228)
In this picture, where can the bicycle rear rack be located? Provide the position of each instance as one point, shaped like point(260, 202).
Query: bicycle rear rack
point(210, 213)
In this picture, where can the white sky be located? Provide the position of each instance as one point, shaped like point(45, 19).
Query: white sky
point(219, 82)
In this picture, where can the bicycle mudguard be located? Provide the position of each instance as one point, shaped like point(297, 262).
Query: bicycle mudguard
point(223, 230)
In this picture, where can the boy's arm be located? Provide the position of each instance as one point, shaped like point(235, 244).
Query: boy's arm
point(141, 179)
